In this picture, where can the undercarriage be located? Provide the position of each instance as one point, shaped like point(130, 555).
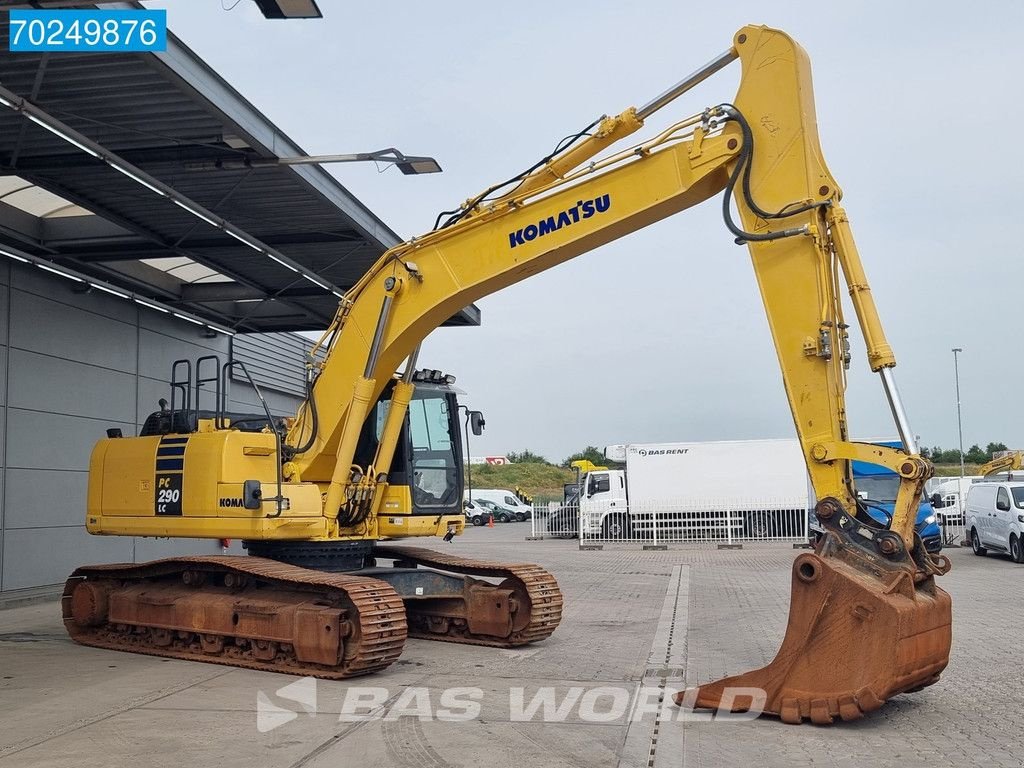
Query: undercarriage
point(260, 613)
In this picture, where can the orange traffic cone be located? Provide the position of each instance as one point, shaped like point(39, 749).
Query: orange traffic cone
point(490, 521)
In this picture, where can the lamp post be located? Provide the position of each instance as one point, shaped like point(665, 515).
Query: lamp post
point(959, 422)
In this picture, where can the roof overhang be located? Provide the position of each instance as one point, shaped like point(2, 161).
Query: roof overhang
point(172, 117)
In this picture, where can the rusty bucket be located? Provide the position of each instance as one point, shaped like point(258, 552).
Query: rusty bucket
point(866, 622)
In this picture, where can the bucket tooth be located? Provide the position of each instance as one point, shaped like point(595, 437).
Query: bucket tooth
point(862, 628)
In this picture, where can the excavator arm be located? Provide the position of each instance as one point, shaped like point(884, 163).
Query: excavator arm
point(762, 150)
point(1008, 462)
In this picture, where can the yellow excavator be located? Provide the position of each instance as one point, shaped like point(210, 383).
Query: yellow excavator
point(1008, 461)
point(373, 455)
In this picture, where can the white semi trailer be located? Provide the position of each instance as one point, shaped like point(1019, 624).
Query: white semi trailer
point(708, 490)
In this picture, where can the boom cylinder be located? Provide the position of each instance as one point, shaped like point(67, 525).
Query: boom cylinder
point(362, 396)
point(880, 354)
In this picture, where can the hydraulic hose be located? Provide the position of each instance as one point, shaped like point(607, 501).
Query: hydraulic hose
point(742, 172)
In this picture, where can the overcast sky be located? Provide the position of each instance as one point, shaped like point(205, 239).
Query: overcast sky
point(661, 335)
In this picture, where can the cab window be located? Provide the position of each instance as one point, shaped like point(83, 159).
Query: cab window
point(1002, 499)
point(599, 484)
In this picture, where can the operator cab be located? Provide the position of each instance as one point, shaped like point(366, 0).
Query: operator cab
point(429, 455)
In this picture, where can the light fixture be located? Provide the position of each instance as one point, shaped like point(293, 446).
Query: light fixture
point(61, 135)
point(146, 304)
point(289, 9)
point(410, 165)
point(14, 256)
point(60, 272)
point(282, 262)
point(197, 213)
point(136, 179)
point(106, 288)
point(242, 240)
point(317, 283)
point(111, 291)
point(293, 9)
point(187, 319)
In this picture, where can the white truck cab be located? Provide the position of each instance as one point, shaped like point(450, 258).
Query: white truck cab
point(995, 518)
point(604, 507)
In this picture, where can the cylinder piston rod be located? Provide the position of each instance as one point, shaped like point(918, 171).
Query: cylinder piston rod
point(687, 83)
point(899, 415)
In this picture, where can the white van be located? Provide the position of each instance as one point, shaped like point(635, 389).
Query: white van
point(995, 518)
point(949, 498)
point(503, 498)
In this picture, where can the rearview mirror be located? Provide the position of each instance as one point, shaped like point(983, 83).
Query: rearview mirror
point(937, 500)
point(476, 422)
point(1002, 505)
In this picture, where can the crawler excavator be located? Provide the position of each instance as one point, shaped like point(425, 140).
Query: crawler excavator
point(372, 455)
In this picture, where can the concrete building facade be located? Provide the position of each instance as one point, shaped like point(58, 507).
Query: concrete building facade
point(72, 364)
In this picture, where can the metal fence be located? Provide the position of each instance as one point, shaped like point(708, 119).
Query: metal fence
point(701, 521)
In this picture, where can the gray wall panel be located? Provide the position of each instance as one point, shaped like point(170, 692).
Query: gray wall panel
point(3, 315)
point(76, 367)
point(36, 498)
point(53, 328)
point(34, 557)
point(158, 351)
point(40, 383)
point(3, 373)
point(244, 399)
point(51, 441)
point(32, 280)
point(274, 360)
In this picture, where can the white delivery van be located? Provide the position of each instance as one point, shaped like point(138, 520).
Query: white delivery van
point(995, 518)
point(503, 498)
point(949, 498)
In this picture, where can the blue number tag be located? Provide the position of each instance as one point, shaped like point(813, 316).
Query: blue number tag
point(88, 31)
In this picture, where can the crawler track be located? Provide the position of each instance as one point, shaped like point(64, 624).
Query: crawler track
point(539, 608)
point(241, 611)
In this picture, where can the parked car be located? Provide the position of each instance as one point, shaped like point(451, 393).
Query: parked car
point(503, 498)
point(476, 515)
point(995, 518)
point(501, 514)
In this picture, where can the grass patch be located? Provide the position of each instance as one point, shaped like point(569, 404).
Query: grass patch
point(542, 481)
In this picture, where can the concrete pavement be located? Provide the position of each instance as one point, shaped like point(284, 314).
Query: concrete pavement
point(633, 621)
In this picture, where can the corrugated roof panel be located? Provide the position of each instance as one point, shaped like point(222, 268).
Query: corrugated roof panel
point(170, 115)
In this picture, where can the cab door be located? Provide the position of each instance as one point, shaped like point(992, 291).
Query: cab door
point(1000, 530)
point(597, 499)
point(981, 505)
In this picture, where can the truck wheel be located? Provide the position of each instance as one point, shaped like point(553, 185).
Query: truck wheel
point(617, 527)
point(478, 521)
point(976, 544)
point(1016, 550)
point(504, 518)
